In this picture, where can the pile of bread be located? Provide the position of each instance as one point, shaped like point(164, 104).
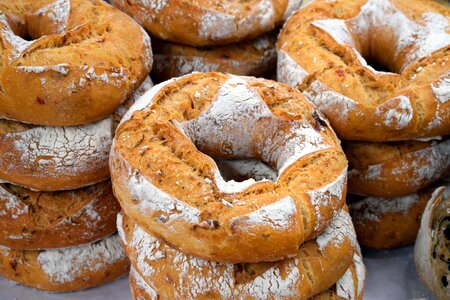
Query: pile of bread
point(228, 187)
point(59, 110)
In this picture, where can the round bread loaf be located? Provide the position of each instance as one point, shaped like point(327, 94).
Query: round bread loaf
point(68, 62)
point(48, 158)
point(397, 168)
point(385, 223)
point(165, 178)
point(41, 220)
point(210, 23)
point(172, 274)
point(432, 249)
point(67, 269)
point(325, 50)
point(254, 58)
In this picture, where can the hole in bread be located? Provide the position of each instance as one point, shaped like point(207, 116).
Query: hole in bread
point(243, 169)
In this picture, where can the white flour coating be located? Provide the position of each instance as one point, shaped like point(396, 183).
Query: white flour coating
point(217, 25)
point(58, 12)
point(374, 208)
point(231, 186)
point(69, 264)
point(323, 197)
point(292, 6)
point(4, 22)
point(400, 115)
point(340, 229)
point(345, 287)
point(281, 215)
point(139, 281)
point(18, 44)
point(247, 168)
point(11, 205)
point(360, 269)
point(330, 101)
point(156, 5)
point(64, 149)
point(289, 71)
point(441, 88)
point(60, 68)
point(148, 57)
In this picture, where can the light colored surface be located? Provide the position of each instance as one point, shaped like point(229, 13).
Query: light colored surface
point(391, 275)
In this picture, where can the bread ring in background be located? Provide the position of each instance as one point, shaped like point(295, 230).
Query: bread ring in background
point(385, 223)
point(48, 158)
point(41, 220)
point(397, 168)
point(84, 59)
point(165, 178)
point(317, 265)
point(432, 249)
point(256, 57)
point(208, 23)
point(325, 49)
point(67, 269)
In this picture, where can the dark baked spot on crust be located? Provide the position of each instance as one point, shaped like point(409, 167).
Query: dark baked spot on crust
point(40, 100)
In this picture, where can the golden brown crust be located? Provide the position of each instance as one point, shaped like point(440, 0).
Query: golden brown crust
point(212, 22)
point(256, 57)
point(173, 189)
point(386, 223)
point(395, 169)
point(363, 104)
point(85, 60)
point(67, 269)
point(41, 220)
point(174, 275)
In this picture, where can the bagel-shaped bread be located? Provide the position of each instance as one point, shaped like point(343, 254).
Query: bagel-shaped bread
point(66, 269)
point(42, 220)
point(386, 223)
point(432, 249)
point(317, 265)
point(165, 178)
point(84, 59)
point(210, 23)
point(324, 50)
point(46, 158)
point(397, 168)
point(252, 58)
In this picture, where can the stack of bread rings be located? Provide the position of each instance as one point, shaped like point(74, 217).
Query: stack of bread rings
point(233, 187)
point(236, 37)
point(69, 71)
point(379, 70)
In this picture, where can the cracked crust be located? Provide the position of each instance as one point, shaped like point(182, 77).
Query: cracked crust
point(210, 23)
point(325, 61)
point(395, 169)
point(172, 274)
point(46, 158)
point(84, 60)
point(40, 220)
point(256, 57)
point(165, 178)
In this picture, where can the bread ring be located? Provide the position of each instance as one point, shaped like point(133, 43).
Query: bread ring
point(432, 249)
point(256, 57)
point(395, 169)
point(210, 23)
point(48, 158)
point(41, 220)
point(172, 274)
point(385, 223)
point(162, 180)
point(85, 59)
point(67, 269)
point(322, 51)
point(349, 287)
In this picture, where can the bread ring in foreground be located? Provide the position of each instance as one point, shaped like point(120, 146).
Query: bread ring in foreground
point(386, 223)
point(323, 51)
point(164, 177)
point(317, 265)
point(41, 220)
point(254, 58)
point(210, 23)
point(85, 59)
point(432, 249)
point(397, 168)
point(67, 269)
point(48, 158)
